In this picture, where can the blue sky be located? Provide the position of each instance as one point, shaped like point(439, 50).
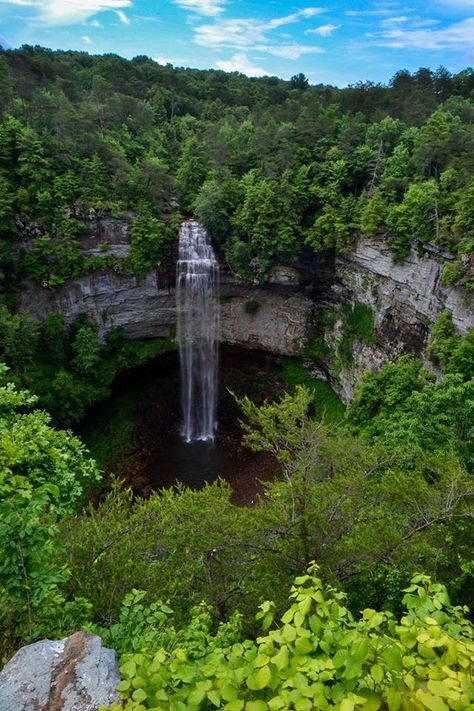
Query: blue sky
point(336, 42)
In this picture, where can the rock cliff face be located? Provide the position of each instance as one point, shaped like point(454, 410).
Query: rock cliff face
point(144, 307)
point(279, 317)
point(406, 299)
point(413, 287)
point(267, 319)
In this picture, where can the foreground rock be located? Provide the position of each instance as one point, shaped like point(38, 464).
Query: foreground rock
point(72, 674)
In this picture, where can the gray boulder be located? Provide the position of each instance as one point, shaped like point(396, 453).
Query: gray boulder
point(72, 674)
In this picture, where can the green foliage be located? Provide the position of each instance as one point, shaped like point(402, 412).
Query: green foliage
point(325, 402)
point(239, 257)
point(44, 473)
point(442, 340)
point(267, 165)
point(354, 506)
point(357, 323)
point(459, 273)
point(151, 241)
point(211, 208)
point(373, 215)
point(380, 393)
point(414, 219)
point(331, 475)
point(335, 226)
point(193, 168)
point(318, 656)
point(264, 220)
point(401, 403)
point(67, 367)
point(183, 546)
point(139, 626)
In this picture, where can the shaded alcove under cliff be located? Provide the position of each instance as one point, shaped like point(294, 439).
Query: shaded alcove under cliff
point(134, 434)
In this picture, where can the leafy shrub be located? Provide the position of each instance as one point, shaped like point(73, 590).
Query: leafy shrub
point(324, 400)
point(151, 242)
point(318, 656)
point(43, 475)
point(442, 340)
point(139, 626)
point(357, 322)
point(66, 366)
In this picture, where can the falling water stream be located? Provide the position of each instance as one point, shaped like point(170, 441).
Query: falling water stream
point(197, 331)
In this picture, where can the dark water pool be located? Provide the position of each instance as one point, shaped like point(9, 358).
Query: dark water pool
point(135, 433)
point(192, 463)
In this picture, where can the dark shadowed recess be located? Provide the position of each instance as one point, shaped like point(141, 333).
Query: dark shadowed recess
point(135, 434)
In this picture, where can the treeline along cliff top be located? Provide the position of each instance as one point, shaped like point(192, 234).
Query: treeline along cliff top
point(267, 165)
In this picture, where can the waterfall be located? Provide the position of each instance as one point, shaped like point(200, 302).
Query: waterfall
point(197, 332)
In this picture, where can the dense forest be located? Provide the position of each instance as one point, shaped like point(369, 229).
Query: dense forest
point(373, 508)
point(266, 165)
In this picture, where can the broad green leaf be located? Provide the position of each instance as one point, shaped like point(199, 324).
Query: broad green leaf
point(139, 695)
point(280, 660)
point(377, 673)
point(347, 705)
point(214, 697)
point(256, 706)
point(433, 703)
point(263, 677)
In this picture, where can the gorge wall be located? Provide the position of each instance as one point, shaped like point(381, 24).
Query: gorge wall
point(405, 299)
point(282, 316)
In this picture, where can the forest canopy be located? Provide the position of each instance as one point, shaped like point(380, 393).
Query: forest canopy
point(267, 165)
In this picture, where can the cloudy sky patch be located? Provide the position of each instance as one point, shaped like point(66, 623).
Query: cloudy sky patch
point(339, 43)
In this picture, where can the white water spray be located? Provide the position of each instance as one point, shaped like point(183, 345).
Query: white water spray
point(197, 316)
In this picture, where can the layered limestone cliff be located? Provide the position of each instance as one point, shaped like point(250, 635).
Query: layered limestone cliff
point(258, 318)
point(405, 300)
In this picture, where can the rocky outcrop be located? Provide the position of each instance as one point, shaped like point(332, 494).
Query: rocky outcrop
point(413, 287)
point(264, 319)
point(273, 319)
point(106, 235)
point(72, 674)
point(143, 306)
point(405, 298)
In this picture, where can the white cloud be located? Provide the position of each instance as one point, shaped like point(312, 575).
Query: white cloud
point(208, 8)
point(86, 39)
point(425, 23)
point(241, 63)
point(122, 17)
point(323, 30)
point(364, 13)
point(306, 12)
point(244, 33)
point(458, 36)
point(390, 21)
point(94, 23)
point(289, 51)
point(69, 12)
